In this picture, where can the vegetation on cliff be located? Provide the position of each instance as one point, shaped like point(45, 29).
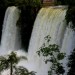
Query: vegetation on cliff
point(9, 62)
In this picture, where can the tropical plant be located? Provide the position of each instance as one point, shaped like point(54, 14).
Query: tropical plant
point(23, 71)
point(10, 61)
point(54, 56)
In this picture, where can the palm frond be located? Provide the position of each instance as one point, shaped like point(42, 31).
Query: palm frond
point(23, 71)
point(3, 63)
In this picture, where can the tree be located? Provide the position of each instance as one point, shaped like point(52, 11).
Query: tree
point(54, 56)
point(23, 71)
point(10, 61)
point(71, 63)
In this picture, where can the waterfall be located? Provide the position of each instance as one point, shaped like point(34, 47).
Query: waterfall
point(10, 33)
point(68, 45)
point(50, 21)
point(11, 40)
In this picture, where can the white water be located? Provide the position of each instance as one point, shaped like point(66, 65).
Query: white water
point(68, 45)
point(10, 33)
point(49, 21)
point(11, 40)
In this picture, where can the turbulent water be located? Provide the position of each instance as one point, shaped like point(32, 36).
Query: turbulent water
point(49, 21)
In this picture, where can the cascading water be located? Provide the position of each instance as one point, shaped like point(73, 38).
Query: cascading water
point(68, 45)
point(10, 33)
point(11, 40)
point(49, 21)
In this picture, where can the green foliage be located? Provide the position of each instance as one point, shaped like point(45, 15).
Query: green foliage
point(10, 61)
point(3, 63)
point(71, 64)
point(14, 59)
point(54, 56)
point(23, 71)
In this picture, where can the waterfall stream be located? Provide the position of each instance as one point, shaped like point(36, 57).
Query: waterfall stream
point(10, 33)
point(49, 21)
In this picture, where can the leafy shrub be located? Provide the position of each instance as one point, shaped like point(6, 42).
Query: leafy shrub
point(54, 56)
